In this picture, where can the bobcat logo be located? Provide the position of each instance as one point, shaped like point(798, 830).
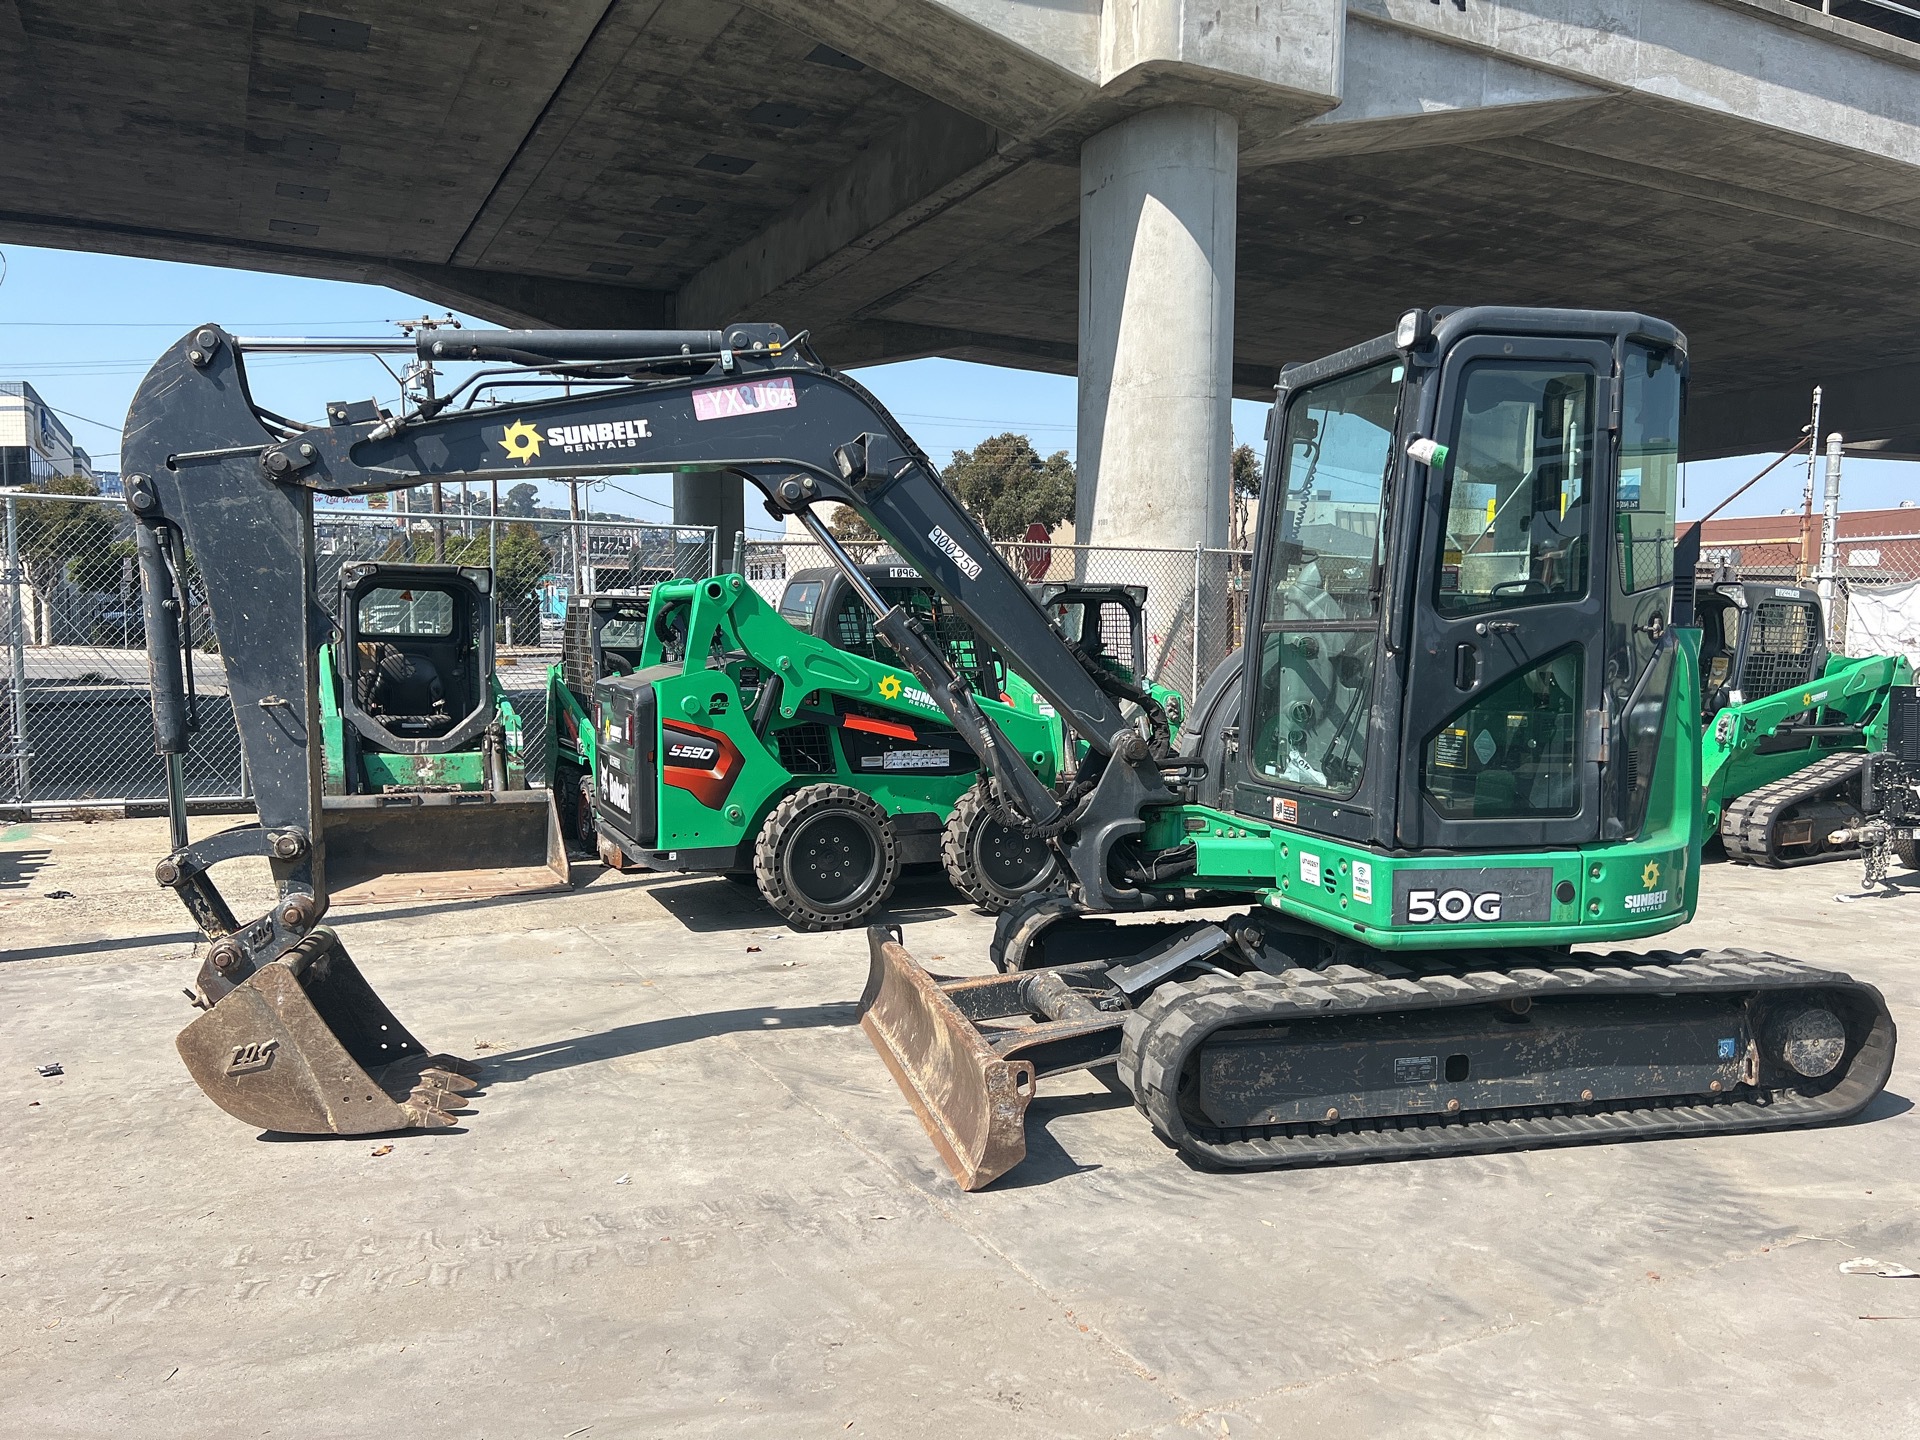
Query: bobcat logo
point(255, 1055)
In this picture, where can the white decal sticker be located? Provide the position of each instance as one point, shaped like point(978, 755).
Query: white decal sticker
point(749, 397)
point(1453, 906)
point(618, 794)
point(612, 435)
point(1363, 882)
point(919, 759)
point(953, 551)
point(1640, 904)
point(1309, 868)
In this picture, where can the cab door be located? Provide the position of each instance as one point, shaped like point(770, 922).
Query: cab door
point(1508, 602)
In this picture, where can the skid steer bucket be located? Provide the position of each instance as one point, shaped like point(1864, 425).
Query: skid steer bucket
point(303, 1046)
point(450, 845)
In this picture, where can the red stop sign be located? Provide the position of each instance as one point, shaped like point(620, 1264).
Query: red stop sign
point(1038, 553)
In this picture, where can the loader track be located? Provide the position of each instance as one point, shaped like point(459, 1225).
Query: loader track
point(1750, 825)
point(1162, 1040)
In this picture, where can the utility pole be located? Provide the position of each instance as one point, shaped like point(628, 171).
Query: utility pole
point(573, 530)
point(1830, 530)
point(417, 386)
point(1806, 492)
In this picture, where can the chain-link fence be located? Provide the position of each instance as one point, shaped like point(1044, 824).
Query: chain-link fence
point(76, 727)
point(1196, 599)
point(1860, 562)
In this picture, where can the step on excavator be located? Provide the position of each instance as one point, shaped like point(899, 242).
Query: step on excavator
point(1472, 743)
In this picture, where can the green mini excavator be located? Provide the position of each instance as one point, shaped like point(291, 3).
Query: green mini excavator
point(1469, 744)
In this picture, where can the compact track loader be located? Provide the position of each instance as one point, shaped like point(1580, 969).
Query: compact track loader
point(1787, 725)
point(1470, 743)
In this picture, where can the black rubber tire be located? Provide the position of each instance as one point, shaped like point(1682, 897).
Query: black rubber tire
point(816, 828)
point(583, 829)
point(1908, 853)
point(990, 863)
point(573, 797)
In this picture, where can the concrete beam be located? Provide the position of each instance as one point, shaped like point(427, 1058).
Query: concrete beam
point(531, 300)
point(940, 157)
point(1873, 409)
point(1707, 55)
point(1401, 88)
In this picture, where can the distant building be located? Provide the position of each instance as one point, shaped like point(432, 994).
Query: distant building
point(35, 443)
point(1870, 545)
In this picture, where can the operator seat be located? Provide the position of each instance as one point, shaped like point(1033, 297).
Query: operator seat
point(403, 692)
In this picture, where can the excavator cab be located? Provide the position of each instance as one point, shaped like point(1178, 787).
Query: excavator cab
point(425, 789)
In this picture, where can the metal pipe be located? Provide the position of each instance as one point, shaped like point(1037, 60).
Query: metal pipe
point(844, 562)
point(177, 802)
point(294, 345)
point(1830, 529)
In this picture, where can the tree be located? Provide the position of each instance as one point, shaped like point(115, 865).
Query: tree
point(1007, 486)
point(520, 500)
point(1246, 470)
point(846, 524)
point(1243, 488)
point(65, 540)
point(521, 561)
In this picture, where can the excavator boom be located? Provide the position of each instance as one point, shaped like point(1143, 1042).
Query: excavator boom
point(210, 474)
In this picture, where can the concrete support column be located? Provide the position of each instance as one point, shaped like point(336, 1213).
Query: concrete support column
point(703, 498)
point(1158, 193)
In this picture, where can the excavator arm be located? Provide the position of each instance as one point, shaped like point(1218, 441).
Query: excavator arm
point(211, 474)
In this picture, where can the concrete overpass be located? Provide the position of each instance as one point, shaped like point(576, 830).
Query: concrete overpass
point(1172, 196)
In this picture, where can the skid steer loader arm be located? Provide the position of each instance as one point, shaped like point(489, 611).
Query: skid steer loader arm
point(220, 487)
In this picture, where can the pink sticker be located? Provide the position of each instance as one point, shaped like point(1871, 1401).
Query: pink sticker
point(749, 397)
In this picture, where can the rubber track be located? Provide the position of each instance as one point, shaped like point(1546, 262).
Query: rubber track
point(1746, 825)
point(1171, 1024)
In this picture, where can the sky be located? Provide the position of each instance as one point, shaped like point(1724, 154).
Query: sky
point(83, 328)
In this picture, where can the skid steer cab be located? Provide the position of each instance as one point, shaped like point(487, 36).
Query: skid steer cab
point(424, 788)
point(602, 635)
point(745, 745)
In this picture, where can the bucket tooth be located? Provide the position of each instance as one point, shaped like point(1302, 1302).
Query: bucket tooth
point(304, 1046)
point(972, 1102)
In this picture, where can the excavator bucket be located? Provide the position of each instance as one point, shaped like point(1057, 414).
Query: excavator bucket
point(972, 1101)
point(448, 845)
point(303, 1046)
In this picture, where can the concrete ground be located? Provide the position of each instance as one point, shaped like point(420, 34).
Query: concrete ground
point(691, 1202)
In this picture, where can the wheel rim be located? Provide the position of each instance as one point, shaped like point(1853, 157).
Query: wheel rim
point(1010, 862)
point(832, 860)
point(583, 812)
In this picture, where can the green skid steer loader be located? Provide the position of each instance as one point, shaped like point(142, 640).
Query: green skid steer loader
point(744, 745)
point(424, 793)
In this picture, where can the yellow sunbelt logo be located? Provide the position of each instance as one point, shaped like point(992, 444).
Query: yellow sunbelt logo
point(526, 444)
point(890, 687)
point(521, 442)
point(1648, 899)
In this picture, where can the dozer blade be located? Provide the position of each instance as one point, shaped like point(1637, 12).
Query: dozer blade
point(304, 1046)
point(972, 1101)
point(453, 845)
